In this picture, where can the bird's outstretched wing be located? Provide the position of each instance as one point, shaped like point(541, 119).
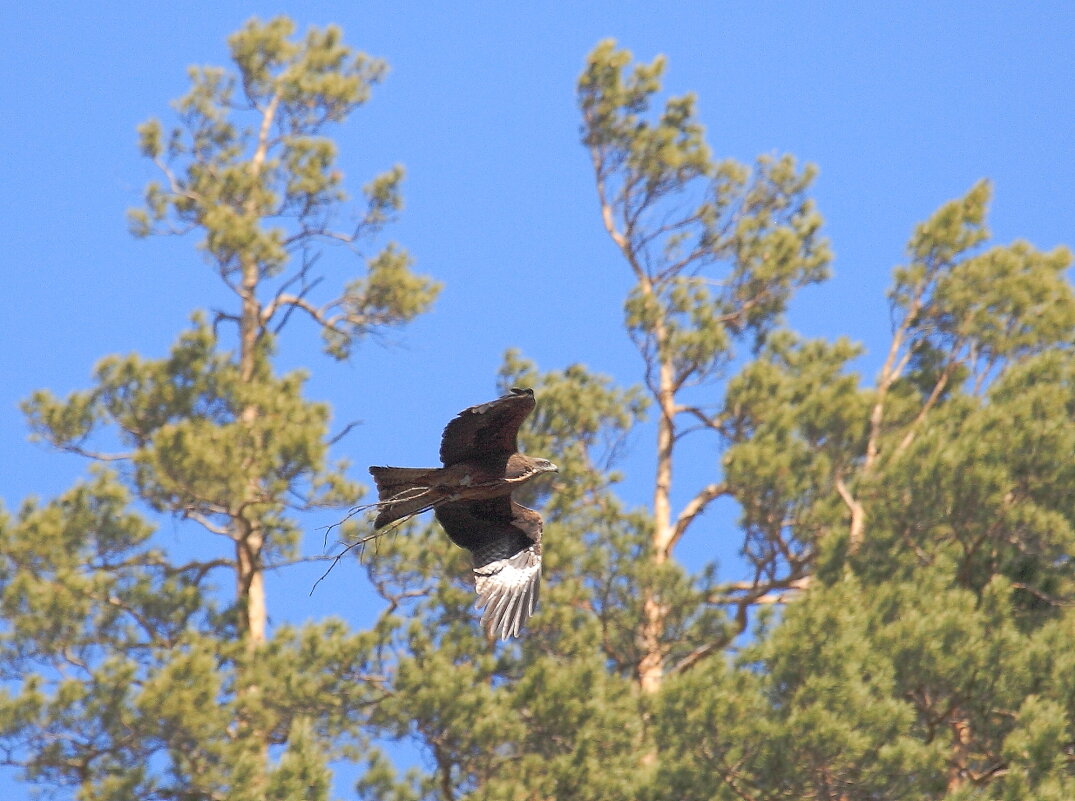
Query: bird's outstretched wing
point(487, 431)
point(504, 539)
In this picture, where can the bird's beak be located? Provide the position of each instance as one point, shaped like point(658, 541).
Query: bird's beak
point(553, 468)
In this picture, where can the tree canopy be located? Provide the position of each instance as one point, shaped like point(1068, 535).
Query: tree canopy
point(131, 674)
point(898, 626)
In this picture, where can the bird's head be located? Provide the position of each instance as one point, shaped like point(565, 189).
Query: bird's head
point(545, 466)
point(520, 466)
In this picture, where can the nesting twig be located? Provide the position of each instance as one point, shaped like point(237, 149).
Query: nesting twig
point(410, 494)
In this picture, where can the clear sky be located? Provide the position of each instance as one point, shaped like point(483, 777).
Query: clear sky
point(902, 106)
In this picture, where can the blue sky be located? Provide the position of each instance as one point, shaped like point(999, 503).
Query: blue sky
point(902, 106)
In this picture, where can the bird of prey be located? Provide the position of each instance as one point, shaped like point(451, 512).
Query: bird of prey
point(471, 498)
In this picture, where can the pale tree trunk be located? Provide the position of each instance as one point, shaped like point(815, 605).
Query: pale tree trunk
point(250, 581)
point(654, 611)
point(249, 537)
point(891, 370)
point(247, 529)
point(895, 363)
point(650, 669)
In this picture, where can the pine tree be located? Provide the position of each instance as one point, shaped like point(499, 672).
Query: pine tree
point(136, 674)
point(914, 534)
point(716, 250)
point(929, 659)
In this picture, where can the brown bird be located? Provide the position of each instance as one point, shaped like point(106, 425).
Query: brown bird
point(471, 498)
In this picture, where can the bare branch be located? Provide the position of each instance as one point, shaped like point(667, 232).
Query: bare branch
point(199, 567)
point(892, 369)
point(206, 523)
point(938, 388)
point(607, 216)
point(263, 133)
point(306, 288)
point(346, 430)
point(713, 423)
point(1041, 596)
point(143, 623)
point(324, 233)
point(95, 455)
point(697, 655)
point(298, 302)
point(177, 188)
point(760, 591)
point(757, 593)
point(858, 514)
point(695, 507)
point(219, 316)
point(667, 228)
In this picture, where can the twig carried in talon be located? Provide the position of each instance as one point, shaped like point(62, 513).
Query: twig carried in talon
point(407, 495)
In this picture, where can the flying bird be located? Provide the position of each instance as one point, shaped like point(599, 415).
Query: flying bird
point(471, 498)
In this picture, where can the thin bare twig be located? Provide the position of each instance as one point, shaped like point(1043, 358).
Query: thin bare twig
point(695, 507)
point(346, 430)
point(406, 495)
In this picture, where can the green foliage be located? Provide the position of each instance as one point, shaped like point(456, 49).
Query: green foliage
point(301, 773)
point(180, 419)
point(905, 672)
point(250, 167)
point(674, 211)
point(979, 308)
point(990, 481)
point(133, 672)
point(796, 420)
point(122, 667)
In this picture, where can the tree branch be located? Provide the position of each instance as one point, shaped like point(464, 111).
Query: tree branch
point(889, 373)
point(343, 433)
point(758, 593)
point(695, 507)
point(298, 302)
point(858, 514)
point(712, 423)
point(263, 133)
point(206, 523)
point(938, 388)
point(199, 567)
point(607, 218)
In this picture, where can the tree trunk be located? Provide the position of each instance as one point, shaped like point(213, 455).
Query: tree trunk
point(654, 611)
point(249, 535)
point(250, 582)
point(959, 761)
point(249, 538)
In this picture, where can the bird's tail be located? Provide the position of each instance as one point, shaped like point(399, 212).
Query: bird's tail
point(404, 491)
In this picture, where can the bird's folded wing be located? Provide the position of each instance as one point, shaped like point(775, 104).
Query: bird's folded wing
point(508, 591)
